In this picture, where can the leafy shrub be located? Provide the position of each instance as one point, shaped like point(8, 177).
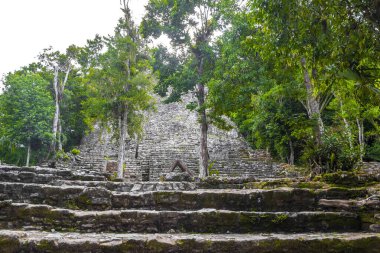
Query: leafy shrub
point(373, 152)
point(75, 151)
point(62, 155)
point(333, 154)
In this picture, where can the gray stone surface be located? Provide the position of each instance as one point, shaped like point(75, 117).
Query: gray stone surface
point(38, 242)
point(172, 133)
point(178, 177)
point(126, 216)
point(46, 175)
point(16, 216)
point(146, 196)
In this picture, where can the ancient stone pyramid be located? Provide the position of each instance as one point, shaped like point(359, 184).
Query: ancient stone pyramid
point(171, 133)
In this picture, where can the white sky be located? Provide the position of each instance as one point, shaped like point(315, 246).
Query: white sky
point(28, 26)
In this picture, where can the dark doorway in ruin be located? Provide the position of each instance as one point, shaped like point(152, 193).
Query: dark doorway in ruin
point(146, 173)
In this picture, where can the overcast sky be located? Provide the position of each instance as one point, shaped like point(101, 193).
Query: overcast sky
point(28, 26)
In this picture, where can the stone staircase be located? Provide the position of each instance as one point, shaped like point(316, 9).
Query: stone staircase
point(172, 133)
point(57, 210)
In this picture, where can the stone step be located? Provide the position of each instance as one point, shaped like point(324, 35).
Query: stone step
point(371, 203)
point(130, 186)
point(37, 170)
point(40, 242)
point(45, 175)
point(329, 193)
point(44, 217)
point(99, 198)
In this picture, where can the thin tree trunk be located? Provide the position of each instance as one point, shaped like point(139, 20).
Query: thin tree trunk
point(361, 137)
point(28, 154)
point(313, 106)
point(347, 127)
point(56, 114)
point(123, 134)
point(59, 135)
point(58, 92)
point(60, 98)
point(123, 119)
point(203, 157)
point(291, 156)
point(203, 169)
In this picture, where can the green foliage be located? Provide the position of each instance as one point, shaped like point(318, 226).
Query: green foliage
point(190, 26)
point(258, 79)
point(211, 170)
point(72, 116)
point(334, 154)
point(373, 152)
point(26, 111)
point(75, 151)
point(348, 179)
point(71, 90)
point(252, 69)
point(120, 79)
point(12, 153)
point(280, 218)
point(61, 155)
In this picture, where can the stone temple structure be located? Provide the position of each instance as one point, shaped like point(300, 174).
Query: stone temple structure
point(172, 133)
point(83, 210)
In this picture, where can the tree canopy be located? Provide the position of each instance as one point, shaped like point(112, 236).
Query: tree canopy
point(26, 110)
point(300, 79)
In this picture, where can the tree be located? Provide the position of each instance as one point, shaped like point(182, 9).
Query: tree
point(190, 25)
point(120, 83)
point(61, 65)
point(26, 111)
point(279, 55)
point(309, 41)
point(245, 88)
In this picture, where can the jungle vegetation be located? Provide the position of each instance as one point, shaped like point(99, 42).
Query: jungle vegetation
point(300, 79)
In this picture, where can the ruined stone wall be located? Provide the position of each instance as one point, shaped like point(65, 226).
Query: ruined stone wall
point(172, 132)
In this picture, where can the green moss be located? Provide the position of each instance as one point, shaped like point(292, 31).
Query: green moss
point(368, 217)
point(310, 185)
point(71, 204)
point(46, 246)
point(75, 151)
point(156, 246)
point(248, 221)
point(368, 245)
point(83, 201)
point(8, 244)
point(71, 230)
point(280, 218)
point(268, 184)
point(113, 176)
point(348, 179)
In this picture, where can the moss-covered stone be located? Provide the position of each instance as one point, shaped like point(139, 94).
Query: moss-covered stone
point(9, 244)
point(348, 179)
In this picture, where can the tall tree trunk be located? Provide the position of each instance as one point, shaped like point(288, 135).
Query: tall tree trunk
point(347, 128)
point(58, 96)
point(28, 153)
point(203, 162)
point(313, 106)
point(56, 114)
point(59, 135)
point(122, 137)
point(361, 137)
point(123, 120)
point(291, 155)
point(203, 156)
